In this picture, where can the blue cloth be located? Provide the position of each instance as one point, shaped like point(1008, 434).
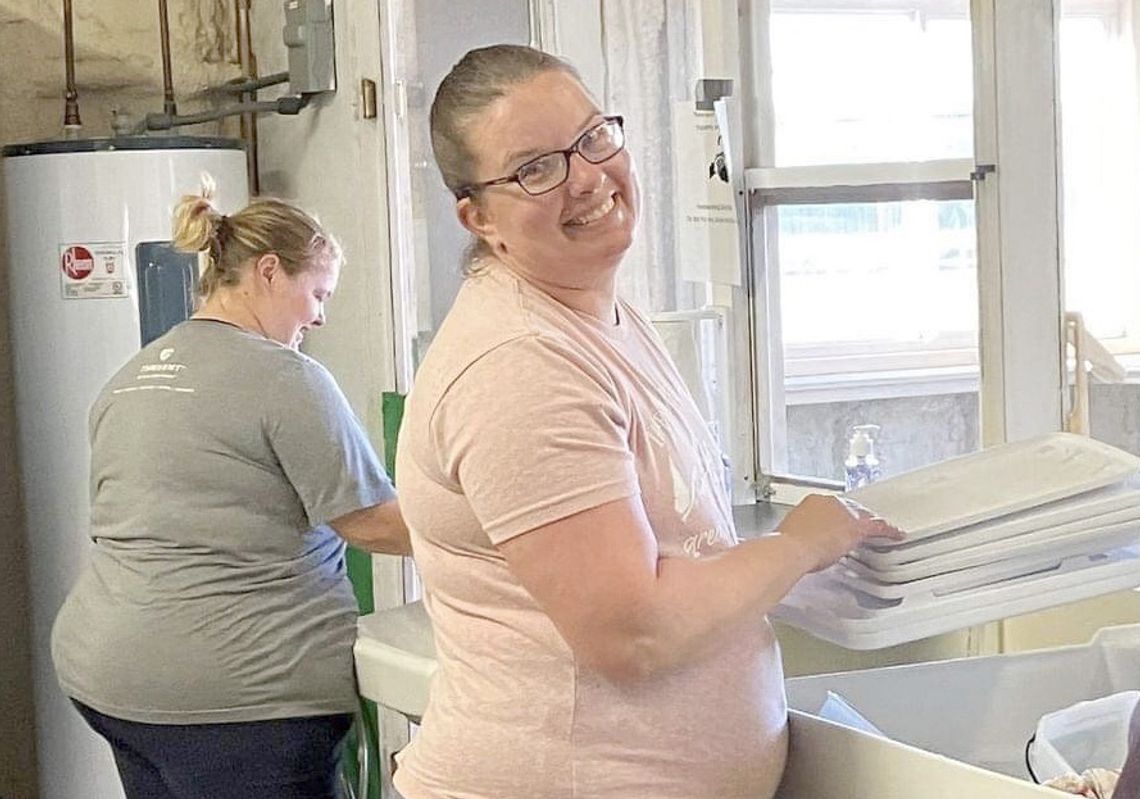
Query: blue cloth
point(294, 758)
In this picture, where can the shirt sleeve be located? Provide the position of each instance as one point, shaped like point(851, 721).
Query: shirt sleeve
point(531, 433)
point(321, 446)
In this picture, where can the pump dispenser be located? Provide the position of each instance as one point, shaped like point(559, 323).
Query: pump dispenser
point(862, 465)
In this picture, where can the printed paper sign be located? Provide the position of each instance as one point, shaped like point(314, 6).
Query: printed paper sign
point(708, 244)
point(94, 270)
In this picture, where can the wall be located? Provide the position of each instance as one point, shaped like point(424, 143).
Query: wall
point(331, 160)
point(118, 66)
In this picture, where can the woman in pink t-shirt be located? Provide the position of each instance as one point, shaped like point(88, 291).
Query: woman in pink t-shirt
point(601, 631)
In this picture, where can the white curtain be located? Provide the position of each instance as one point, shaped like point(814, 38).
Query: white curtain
point(652, 58)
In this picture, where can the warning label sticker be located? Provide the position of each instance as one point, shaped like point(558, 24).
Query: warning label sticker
point(94, 270)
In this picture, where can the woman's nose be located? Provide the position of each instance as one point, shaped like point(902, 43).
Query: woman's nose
point(584, 177)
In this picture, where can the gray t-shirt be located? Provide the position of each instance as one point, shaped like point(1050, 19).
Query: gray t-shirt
point(215, 592)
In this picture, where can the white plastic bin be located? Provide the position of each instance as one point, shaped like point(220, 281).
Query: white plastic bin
point(826, 761)
point(981, 711)
point(395, 661)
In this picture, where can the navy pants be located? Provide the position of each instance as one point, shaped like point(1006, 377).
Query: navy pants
point(294, 758)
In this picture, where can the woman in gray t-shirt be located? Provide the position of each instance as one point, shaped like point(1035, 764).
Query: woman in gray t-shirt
point(210, 638)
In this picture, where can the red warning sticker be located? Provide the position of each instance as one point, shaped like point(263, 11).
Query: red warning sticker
point(93, 270)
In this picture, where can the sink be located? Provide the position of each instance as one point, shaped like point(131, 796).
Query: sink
point(395, 658)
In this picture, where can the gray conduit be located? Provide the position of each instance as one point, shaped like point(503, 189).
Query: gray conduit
point(282, 105)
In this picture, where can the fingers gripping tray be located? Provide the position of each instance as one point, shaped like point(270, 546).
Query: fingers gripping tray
point(1010, 530)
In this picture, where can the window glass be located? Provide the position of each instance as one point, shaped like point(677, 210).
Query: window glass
point(1100, 145)
point(875, 277)
point(871, 81)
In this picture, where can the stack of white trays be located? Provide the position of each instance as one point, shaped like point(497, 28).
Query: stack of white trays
point(1009, 530)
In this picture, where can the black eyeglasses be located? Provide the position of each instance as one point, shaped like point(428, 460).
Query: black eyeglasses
point(548, 171)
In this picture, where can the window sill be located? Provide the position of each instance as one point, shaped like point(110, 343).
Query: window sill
point(896, 383)
point(885, 384)
point(1131, 363)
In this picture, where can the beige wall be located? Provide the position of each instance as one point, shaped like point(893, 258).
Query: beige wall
point(118, 66)
point(332, 160)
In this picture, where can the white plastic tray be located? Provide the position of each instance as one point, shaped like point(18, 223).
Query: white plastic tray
point(853, 619)
point(1071, 511)
point(996, 482)
point(1100, 534)
point(932, 588)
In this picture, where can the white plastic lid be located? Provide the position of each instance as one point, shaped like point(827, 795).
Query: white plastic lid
point(949, 503)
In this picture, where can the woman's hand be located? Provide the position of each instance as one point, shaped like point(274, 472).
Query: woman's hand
point(831, 526)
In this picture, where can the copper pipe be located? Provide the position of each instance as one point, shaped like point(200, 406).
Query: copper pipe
point(71, 119)
point(168, 105)
point(249, 71)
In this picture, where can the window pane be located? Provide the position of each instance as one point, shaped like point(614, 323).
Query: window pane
point(875, 81)
point(877, 277)
point(1101, 171)
point(879, 317)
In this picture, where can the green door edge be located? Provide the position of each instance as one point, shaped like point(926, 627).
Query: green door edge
point(359, 565)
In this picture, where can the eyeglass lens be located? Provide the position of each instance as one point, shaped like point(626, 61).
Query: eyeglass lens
point(549, 171)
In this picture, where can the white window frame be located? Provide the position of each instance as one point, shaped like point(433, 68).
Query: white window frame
point(878, 370)
point(1126, 347)
point(1022, 376)
point(852, 370)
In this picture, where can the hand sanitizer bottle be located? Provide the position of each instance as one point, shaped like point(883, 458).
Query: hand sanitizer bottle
point(862, 466)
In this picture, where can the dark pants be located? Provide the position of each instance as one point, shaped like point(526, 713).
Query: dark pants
point(294, 758)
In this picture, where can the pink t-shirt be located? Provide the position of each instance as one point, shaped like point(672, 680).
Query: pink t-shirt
point(524, 412)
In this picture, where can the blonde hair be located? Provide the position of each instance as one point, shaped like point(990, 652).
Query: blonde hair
point(230, 243)
point(482, 76)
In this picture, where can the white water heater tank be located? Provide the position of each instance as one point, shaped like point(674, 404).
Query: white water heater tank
point(91, 277)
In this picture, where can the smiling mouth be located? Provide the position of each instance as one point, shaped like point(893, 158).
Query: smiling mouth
point(594, 214)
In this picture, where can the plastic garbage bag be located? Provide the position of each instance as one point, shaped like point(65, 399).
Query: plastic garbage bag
point(1084, 736)
point(836, 708)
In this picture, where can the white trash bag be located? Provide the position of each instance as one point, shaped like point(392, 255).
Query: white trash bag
point(1087, 735)
point(836, 708)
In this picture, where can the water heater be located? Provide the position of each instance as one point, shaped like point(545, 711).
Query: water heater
point(91, 278)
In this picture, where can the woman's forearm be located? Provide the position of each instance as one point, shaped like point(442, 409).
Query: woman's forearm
point(722, 594)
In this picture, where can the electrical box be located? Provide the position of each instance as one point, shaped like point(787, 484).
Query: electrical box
point(167, 281)
point(308, 34)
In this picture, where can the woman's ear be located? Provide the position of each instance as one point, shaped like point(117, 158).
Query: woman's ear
point(473, 217)
point(267, 267)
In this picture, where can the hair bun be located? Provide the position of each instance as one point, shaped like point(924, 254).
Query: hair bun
point(196, 219)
